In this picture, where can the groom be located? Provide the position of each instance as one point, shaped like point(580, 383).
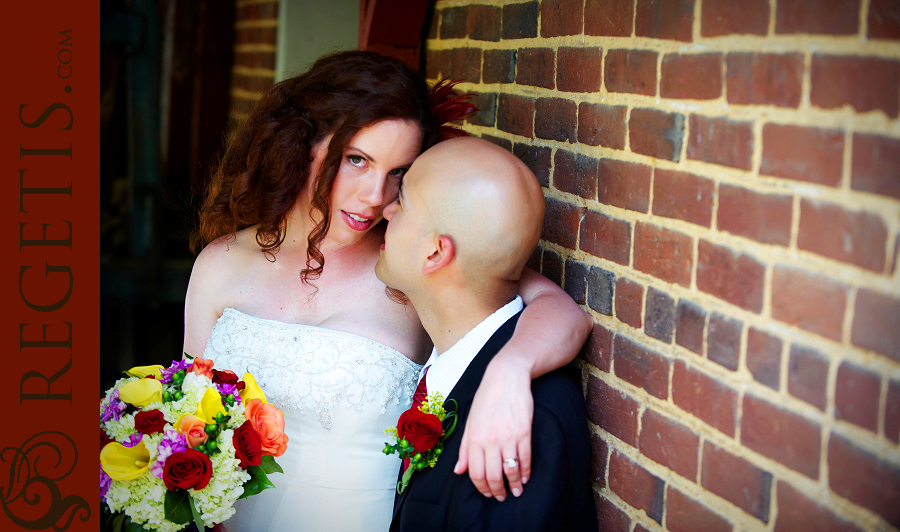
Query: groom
point(467, 219)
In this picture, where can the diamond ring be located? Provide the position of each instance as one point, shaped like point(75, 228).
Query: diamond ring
point(511, 463)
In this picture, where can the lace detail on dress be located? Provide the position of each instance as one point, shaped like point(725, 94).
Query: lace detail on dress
point(312, 369)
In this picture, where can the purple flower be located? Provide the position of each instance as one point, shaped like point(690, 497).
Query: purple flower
point(177, 365)
point(229, 389)
point(113, 408)
point(172, 442)
point(133, 440)
point(105, 482)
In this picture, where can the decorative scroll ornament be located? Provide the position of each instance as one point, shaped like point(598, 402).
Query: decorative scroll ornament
point(34, 470)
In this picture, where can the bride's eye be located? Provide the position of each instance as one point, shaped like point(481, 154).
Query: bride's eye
point(356, 160)
point(398, 172)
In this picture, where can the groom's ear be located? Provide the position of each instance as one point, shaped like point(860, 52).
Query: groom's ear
point(442, 254)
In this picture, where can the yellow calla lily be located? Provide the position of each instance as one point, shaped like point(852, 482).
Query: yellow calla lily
point(124, 463)
point(251, 390)
point(141, 392)
point(210, 404)
point(177, 424)
point(142, 371)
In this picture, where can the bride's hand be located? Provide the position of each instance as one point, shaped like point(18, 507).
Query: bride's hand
point(498, 428)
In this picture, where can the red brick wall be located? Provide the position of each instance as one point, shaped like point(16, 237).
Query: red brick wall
point(723, 196)
point(256, 32)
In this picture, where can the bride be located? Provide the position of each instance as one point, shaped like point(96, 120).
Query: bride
point(285, 288)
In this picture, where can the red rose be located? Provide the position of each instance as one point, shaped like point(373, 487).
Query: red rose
point(420, 429)
point(149, 422)
point(187, 469)
point(247, 445)
point(223, 376)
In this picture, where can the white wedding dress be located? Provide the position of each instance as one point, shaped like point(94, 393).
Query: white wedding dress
point(338, 392)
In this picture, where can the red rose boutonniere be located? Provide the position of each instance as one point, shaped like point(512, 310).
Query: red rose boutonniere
point(420, 435)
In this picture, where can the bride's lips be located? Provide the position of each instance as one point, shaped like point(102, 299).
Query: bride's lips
point(355, 223)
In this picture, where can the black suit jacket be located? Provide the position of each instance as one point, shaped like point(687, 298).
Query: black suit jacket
point(558, 495)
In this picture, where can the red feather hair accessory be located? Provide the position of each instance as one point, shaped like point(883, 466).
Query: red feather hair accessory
point(448, 106)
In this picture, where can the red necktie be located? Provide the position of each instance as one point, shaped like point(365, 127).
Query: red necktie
point(418, 398)
point(421, 391)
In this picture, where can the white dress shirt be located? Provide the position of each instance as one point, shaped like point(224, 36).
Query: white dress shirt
point(445, 369)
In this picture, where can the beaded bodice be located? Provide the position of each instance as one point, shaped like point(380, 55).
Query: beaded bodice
point(312, 369)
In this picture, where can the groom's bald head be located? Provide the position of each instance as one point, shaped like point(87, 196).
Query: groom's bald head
point(487, 200)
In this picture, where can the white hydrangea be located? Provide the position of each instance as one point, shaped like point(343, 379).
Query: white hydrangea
point(215, 502)
point(237, 415)
point(120, 430)
point(195, 385)
point(143, 500)
point(151, 441)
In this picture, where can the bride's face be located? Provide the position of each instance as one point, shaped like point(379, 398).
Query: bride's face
point(368, 180)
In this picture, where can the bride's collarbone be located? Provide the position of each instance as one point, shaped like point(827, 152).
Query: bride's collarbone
point(363, 312)
point(317, 303)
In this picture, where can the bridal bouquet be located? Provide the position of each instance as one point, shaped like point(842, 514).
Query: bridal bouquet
point(183, 443)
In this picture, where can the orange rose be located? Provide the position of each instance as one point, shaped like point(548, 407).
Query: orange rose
point(268, 422)
point(202, 366)
point(193, 428)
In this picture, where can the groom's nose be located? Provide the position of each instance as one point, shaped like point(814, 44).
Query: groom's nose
point(390, 210)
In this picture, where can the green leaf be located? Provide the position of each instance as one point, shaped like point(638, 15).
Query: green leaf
point(187, 356)
point(178, 507)
point(269, 465)
point(117, 522)
point(257, 483)
point(251, 487)
point(197, 519)
point(407, 475)
point(130, 526)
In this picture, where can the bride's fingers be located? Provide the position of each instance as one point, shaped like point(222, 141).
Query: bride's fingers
point(477, 473)
point(493, 468)
point(512, 470)
point(524, 460)
point(463, 462)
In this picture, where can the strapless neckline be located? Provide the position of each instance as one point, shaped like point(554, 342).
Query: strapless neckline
point(283, 325)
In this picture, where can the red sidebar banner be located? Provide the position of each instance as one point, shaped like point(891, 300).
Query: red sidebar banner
point(50, 272)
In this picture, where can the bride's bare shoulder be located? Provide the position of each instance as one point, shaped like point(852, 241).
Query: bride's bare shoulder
point(214, 280)
point(223, 261)
point(229, 252)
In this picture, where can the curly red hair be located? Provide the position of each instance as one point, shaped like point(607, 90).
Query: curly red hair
point(266, 165)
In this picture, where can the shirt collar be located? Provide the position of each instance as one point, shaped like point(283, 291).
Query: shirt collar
point(448, 367)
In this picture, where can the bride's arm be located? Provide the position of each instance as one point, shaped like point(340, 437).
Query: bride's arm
point(549, 334)
point(199, 307)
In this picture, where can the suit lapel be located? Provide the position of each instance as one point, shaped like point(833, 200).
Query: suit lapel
point(464, 392)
